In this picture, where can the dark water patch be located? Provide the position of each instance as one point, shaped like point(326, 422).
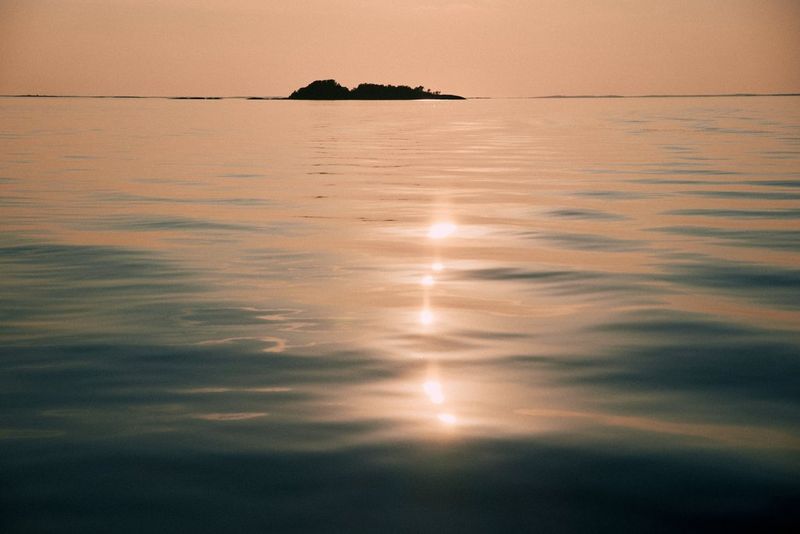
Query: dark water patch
point(658, 325)
point(585, 214)
point(612, 195)
point(143, 199)
point(774, 183)
point(212, 396)
point(562, 366)
point(672, 352)
point(239, 202)
point(736, 131)
point(781, 154)
point(84, 262)
point(689, 172)
point(14, 201)
point(668, 181)
point(755, 195)
point(44, 287)
point(765, 284)
point(772, 239)
point(590, 242)
point(170, 223)
point(485, 335)
point(660, 167)
point(697, 158)
point(216, 316)
point(276, 255)
point(121, 377)
point(507, 273)
point(242, 175)
point(688, 166)
point(568, 282)
point(481, 486)
point(777, 213)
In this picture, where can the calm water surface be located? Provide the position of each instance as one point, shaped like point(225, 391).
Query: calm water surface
point(491, 315)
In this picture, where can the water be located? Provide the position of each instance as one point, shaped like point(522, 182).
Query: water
point(491, 315)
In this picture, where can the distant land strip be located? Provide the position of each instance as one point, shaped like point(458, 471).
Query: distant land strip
point(122, 97)
point(152, 97)
point(712, 95)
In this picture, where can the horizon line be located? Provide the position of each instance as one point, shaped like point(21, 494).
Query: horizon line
point(555, 97)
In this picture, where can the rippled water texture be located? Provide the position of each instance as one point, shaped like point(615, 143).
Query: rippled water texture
point(490, 315)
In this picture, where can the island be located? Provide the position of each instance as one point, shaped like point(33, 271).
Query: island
point(332, 90)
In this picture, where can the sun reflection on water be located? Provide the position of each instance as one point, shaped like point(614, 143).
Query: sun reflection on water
point(447, 419)
point(432, 386)
point(434, 391)
point(441, 230)
point(426, 317)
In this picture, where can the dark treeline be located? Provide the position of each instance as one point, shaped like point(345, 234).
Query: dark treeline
point(332, 90)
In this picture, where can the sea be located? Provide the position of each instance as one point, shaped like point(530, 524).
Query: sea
point(490, 315)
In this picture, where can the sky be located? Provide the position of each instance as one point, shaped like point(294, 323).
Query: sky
point(469, 47)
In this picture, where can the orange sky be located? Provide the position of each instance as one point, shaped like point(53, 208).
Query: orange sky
point(470, 47)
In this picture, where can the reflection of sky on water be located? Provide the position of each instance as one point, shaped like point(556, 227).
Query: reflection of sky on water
point(501, 316)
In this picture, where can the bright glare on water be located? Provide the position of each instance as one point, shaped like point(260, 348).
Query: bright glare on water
point(478, 316)
point(441, 230)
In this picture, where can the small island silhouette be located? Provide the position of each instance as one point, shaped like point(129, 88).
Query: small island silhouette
point(332, 90)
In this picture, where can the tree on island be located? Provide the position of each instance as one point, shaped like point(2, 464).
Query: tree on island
point(332, 90)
